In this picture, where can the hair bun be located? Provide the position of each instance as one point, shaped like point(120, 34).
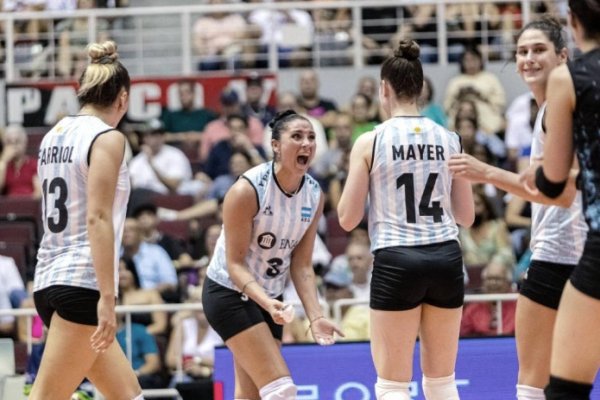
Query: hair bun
point(281, 115)
point(105, 53)
point(407, 49)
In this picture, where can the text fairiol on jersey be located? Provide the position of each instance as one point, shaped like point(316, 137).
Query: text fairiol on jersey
point(56, 155)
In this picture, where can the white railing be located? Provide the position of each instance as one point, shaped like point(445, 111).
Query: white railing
point(337, 316)
point(159, 40)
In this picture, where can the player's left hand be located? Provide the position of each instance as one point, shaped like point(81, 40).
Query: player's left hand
point(527, 177)
point(323, 331)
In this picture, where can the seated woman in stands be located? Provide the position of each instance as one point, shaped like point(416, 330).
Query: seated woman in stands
point(18, 171)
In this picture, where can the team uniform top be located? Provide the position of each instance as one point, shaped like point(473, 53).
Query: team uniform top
point(585, 72)
point(277, 228)
point(557, 234)
point(410, 185)
point(64, 257)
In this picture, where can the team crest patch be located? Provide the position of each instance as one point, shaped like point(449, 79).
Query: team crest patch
point(266, 240)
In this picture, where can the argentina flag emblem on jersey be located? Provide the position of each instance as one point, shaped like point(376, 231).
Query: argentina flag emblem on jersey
point(305, 213)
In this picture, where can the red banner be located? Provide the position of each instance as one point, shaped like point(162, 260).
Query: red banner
point(44, 103)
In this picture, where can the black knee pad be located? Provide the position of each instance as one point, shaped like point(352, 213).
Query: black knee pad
point(562, 389)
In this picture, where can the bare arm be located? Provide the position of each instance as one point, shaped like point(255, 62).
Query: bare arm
point(303, 276)
point(239, 208)
point(463, 207)
point(558, 147)
point(105, 161)
point(351, 207)
point(468, 167)
point(302, 271)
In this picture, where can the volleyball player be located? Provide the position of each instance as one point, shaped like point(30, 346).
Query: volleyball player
point(557, 233)
point(417, 286)
point(270, 218)
point(573, 127)
point(85, 186)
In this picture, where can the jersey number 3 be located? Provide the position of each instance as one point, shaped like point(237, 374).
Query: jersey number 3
point(434, 210)
point(58, 188)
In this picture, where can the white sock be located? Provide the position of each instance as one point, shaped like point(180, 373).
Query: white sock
point(391, 390)
point(443, 388)
point(139, 397)
point(525, 392)
point(279, 389)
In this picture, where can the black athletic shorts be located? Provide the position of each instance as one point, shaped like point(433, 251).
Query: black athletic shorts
point(230, 312)
point(586, 276)
point(406, 276)
point(545, 281)
point(75, 304)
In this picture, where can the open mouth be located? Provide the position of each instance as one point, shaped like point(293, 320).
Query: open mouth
point(303, 160)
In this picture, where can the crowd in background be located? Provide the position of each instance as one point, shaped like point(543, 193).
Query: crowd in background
point(189, 157)
point(230, 41)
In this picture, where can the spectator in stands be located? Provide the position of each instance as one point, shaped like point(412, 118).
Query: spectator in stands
point(238, 139)
point(481, 318)
point(147, 217)
point(217, 38)
point(480, 86)
point(153, 264)
point(468, 129)
point(428, 107)
point(145, 357)
point(256, 105)
point(217, 130)
point(488, 239)
point(161, 168)
point(186, 124)
point(369, 87)
point(360, 262)
point(310, 99)
point(520, 119)
point(349, 277)
point(191, 344)
point(11, 289)
point(18, 171)
point(379, 24)
point(289, 101)
point(239, 163)
point(292, 31)
point(361, 120)
point(333, 35)
point(73, 37)
point(332, 165)
point(131, 294)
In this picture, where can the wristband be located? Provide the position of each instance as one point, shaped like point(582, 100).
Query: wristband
point(548, 188)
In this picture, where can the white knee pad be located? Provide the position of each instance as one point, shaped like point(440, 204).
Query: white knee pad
point(443, 388)
point(525, 392)
point(391, 390)
point(279, 389)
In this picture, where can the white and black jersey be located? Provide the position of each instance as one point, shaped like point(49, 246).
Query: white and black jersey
point(557, 234)
point(410, 183)
point(64, 257)
point(277, 228)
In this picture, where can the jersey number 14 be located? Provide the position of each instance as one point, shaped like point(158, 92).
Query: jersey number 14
point(434, 210)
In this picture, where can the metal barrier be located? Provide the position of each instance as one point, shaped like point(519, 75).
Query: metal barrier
point(168, 392)
point(160, 40)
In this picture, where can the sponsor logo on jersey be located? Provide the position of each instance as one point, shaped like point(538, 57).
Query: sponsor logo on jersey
point(266, 240)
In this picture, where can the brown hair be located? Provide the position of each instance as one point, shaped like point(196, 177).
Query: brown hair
point(403, 70)
point(104, 77)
